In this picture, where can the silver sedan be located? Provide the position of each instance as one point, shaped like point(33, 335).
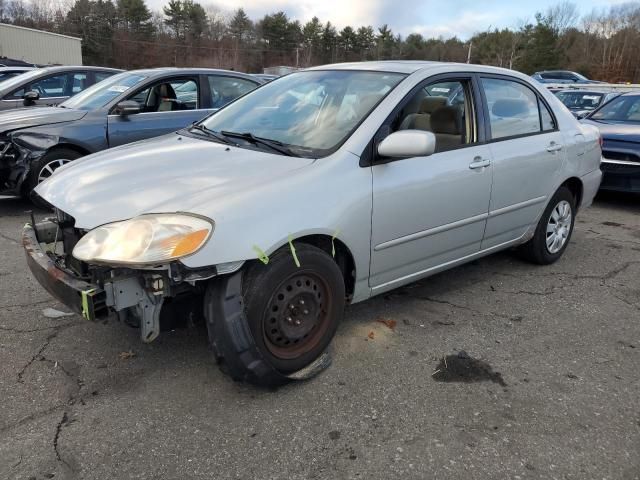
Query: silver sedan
point(318, 189)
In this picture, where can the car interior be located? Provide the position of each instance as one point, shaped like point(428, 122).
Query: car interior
point(444, 114)
point(162, 98)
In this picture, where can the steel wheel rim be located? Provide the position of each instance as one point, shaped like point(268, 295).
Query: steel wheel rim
point(297, 315)
point(49, 168)
point(559, 226)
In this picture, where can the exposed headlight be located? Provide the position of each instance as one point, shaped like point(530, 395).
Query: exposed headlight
point(144, 240)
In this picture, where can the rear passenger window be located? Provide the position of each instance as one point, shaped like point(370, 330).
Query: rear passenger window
point(100, 76)
point(546, 118)
point(79, 82)
point(443, 109)
point(226, 89)
point(513, 109)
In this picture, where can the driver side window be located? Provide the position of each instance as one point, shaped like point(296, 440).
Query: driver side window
point(443, 109)
point(168, 96)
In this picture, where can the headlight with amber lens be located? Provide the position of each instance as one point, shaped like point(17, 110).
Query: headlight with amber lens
point(144, 240)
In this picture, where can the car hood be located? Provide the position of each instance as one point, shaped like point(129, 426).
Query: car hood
point(172, 173)
point(36, 116)
point(616, 131)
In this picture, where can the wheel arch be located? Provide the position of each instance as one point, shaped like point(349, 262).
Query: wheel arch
point(574, 184)
point(70, 146)
point(343, 256)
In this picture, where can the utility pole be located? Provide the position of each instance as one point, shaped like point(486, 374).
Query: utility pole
point(469, 52)
point(297, 58)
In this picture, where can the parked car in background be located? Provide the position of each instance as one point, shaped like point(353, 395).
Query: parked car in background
point(582, 102)
point(10, 72)
point(619, 125)
point(311, 192)
point(49, 85)
point(126, 107)
point(561, 76)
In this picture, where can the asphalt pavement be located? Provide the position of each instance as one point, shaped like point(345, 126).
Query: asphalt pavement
point(494, 370)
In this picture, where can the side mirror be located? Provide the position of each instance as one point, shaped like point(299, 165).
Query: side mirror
point(127, 107)
point(408, 143)
point(30, 98)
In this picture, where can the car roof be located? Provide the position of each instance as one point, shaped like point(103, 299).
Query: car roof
point(66, 68)
point(158, 72)
point(16, 69)
point(582, 90)
point(411, 66)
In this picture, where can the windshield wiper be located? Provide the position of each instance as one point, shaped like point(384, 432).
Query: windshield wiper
point(274, 145)
point(210, 133)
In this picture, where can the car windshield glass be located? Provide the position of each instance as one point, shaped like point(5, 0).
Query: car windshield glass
point(581, 101)
point(100, 94)
point(6, 75)
point(621, 109)
point(310, 112)
point(18, 80)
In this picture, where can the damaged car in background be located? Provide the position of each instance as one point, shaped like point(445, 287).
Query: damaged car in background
point(322, 188)
point(126, 107)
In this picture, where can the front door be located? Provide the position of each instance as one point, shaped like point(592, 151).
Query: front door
point(166, 106)
point(527, 152)
point(430, 211)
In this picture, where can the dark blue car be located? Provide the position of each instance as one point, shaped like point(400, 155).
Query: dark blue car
point(619, 124)
point(124, 108)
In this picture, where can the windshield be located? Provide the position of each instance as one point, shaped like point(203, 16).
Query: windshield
point(580, 101)
point(7, 75)
point(621, 109)
point(18, 80)
point(311, 112)
point(100, 94)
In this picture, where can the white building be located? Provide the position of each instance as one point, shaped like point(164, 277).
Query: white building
point(39, 47)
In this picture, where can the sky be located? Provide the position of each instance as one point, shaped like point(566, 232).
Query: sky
point(431, 18)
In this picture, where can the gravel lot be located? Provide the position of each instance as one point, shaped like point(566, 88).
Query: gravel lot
point(549, 386)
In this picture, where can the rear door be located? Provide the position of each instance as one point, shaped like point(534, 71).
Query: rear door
point(527, 151)
point(167, 106)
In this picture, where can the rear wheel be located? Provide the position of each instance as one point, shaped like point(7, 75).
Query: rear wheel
point(43, 168)
point(554, 230)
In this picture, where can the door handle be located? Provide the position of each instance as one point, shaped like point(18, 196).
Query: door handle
point(554, 147)
point(479, 162)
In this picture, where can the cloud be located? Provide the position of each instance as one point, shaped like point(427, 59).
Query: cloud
point(340, 12)
point(462, 27)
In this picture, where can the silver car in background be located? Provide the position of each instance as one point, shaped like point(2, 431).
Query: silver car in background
point(318, 189)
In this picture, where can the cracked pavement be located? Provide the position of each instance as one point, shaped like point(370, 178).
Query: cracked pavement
point(564, 340)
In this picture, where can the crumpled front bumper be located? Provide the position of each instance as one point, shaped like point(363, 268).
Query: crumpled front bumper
point(82, 297)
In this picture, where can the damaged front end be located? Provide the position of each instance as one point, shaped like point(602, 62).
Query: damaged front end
point(18, 152)
point(141, 296)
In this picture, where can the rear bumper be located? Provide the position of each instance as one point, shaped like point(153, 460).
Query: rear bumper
point(590, 185)
point(620, 176)
point(80, 296)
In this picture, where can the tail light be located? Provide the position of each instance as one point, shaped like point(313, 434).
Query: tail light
point(600, 140)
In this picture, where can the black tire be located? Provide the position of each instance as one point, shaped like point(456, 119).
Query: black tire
point(31, 182)
point(312, 294)
point(536, 249)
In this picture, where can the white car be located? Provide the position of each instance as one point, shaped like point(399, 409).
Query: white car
point(320, 188)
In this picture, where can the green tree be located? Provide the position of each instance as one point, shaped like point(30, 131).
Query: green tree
point(311, 39)
point(135, 16)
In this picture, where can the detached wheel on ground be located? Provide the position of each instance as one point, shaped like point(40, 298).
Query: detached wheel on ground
point(272, 320)
point(43, 168)
point(554, 230)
